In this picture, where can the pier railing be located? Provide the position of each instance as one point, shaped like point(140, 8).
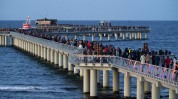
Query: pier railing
point(156, 72)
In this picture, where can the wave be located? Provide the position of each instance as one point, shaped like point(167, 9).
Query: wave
point(31, 89)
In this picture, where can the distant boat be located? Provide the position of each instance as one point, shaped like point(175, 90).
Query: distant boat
point(27, 24)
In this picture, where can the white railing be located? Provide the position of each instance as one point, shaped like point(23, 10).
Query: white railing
point(156, 72)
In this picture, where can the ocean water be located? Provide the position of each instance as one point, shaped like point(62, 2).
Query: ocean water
point(25, 76)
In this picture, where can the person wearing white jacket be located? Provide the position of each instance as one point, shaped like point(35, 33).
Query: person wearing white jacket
point(142, 58)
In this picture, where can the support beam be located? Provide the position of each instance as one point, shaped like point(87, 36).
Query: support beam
point(115, 81)
point(127, 85)
point(70, 67)
point(93, 83)
point(101, 37)
point(76, 71)
point(84, 37)
point(147, 87)
point(172, 94)
point(45, 53)
point(56, 57)
point(105, 79)
point(81, 72)
point(92, 37)
point(140, 88)
point(116, 36)
point(155, 91)
point(5, 40)
point(60, 59)
point(86, 81)
point(109, 37)
point(98, 76)
point(52, 56)
point(65, 61)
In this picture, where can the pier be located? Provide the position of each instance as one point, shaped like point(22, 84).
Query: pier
point(150, 78)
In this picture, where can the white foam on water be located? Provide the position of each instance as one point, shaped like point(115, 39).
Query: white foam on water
point(31, 88)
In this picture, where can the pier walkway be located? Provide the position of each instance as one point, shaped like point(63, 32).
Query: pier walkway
point(150, 78)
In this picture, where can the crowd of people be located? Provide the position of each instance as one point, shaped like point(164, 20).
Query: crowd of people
point(97, 48)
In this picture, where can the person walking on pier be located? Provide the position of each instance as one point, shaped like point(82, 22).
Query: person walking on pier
point(148, 58)
point(168, 62)
point(142, 58)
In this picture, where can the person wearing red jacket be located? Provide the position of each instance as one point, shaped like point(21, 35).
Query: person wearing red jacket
point(168, 60)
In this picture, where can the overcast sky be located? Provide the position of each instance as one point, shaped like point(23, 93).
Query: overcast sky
point(89, 9)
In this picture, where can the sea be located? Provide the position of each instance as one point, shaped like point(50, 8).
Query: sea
point(24, 76)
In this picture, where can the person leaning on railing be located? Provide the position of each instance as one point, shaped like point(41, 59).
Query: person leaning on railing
point(175, 71)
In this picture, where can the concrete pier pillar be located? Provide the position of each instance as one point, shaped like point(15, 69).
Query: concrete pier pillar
point(56, 57)
point(44, 53)
point(105, 79)
point(140, 35)
point(130, 36)
point(92, 37)
point(76, 71)
point(155, 91)
point(109, 37)
point(126, 34)
point(28, 45)
point(140, 88)
point(84, 37)
point(11, 40)
point(123, 36)
point(116, 36)
point(93, 83)
point(38, 50)
point(5, 40)
point(70, 67)
point(127, 85)
point(98, 76)
point(65, 61)
point(172, 94)
point(33, 45)
point(25, 45)
point(60, 59)
point(145, 35)
point(135, 36)
point(86, 81)
point(48, 54)
point(115, 81)
point(147, 87)
point(101, 37)
point(31, 48)
point(75, 36)
point(22, 44)
point(81, 72)
point(0, 40)
point(52, 56)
